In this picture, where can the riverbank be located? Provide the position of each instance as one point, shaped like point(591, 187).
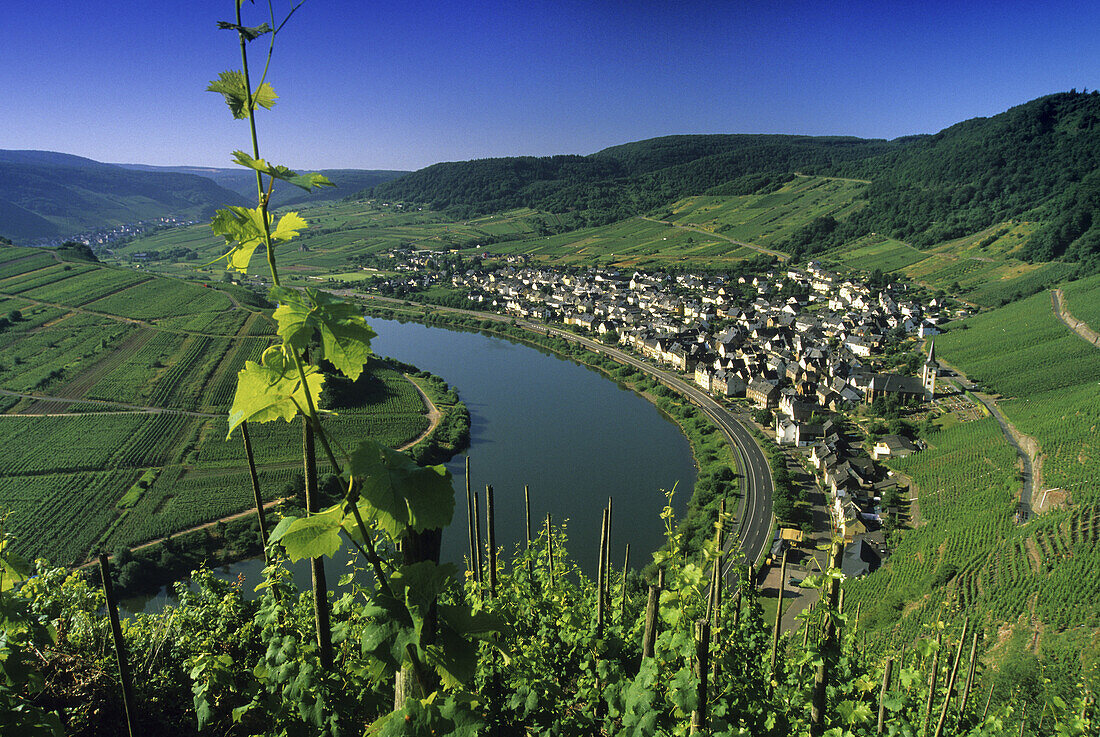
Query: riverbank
point(715, 462)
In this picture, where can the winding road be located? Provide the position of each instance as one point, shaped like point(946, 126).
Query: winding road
point(754, 521)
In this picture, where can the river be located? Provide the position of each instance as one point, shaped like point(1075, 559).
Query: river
point(567, 431)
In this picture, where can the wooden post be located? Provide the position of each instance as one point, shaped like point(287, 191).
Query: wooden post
point(821, 675)
point(490, 524)
point(120, 645)
point(600, 576)
point(778, 611)
point(985, 711)
point(256, 497)
point(702, 670)
point(969, 673)
point(649, 637)
point(527, 511)
point(549, 550)
point(316, 565)
point(951, 679)
point(479, 569)
point(932, 681)
point(882, 694)
point(471, 515)
point(527, 517)
point(607, 558)
point(1023, 718)
point(413, 680)
point(622, 598)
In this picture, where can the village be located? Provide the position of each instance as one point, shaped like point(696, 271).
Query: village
point(804, 347)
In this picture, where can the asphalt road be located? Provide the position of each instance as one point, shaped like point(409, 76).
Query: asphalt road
point(754, 519)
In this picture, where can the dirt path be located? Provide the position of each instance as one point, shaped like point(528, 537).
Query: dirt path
point(1058, 300)
point(760, 249)
point(434, 416)
point(1027, 448)
point(126, 408)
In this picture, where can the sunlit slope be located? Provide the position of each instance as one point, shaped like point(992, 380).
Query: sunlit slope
point(969, 554)
point(113, 376)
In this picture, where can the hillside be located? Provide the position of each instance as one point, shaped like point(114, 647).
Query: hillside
point(1035, 161)
point(126, 379)
point(46, 195)
point(1030, 585)
point(243, 182)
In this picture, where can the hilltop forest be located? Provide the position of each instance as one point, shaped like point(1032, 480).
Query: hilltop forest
point(1035, 161)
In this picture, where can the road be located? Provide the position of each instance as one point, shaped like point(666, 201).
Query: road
point(754, 521)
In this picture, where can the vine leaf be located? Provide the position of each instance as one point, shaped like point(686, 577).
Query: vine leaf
point(305, 181)
point(244, 226)
point(272, 389)
point(398, 493)
point(250, 33)
point(345, 335)
point(231, 86)
point(309, 537)
point(13, 568)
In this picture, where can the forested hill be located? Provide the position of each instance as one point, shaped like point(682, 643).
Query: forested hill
point(624, 180)
point(1037, 160)
point(44, 194)
point(243, 181)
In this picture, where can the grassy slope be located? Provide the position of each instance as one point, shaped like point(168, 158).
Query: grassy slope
point(1043, 574)
point(983, 268)
point(90, 332)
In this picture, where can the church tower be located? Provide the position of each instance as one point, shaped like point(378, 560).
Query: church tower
point(931, 369)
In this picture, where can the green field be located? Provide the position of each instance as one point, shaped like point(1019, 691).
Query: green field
point(1082, 299)
point(769, 218)
point(340, 232)
point(97, 348)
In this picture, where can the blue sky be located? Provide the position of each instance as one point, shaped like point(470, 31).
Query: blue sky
point(400, 85)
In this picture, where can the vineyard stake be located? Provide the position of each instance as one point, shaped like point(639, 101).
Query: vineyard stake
point(549, 550)
point(778, 613)
point(607, 558)
point(702, 668)
point(622, 599)
point(490, 523)
point(985, 711)
point(969, 673)
point(470, 516)
point(256, 491)
point(316, 565)
point(821, 675)
point(932, 681)
point(527, 516)
point(600, 576)
point(120, 645)
point(649, 636)
point(527, 511)
point(882, 694)
point(479, 568)
point(951, 678)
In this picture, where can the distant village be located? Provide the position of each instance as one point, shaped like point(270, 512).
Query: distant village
point(798, 342)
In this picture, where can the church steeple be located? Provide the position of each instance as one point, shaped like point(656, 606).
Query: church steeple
point(931, 369)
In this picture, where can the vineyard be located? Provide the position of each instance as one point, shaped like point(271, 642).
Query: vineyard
point(970, 555)
point(184, 356)
point(1083, 300)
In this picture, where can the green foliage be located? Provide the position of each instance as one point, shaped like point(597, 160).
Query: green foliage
point(232, 86)
point(337, 325)
point(274, 389)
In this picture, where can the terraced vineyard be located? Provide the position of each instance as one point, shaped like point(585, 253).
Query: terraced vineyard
point(970, 555)
point(131, 377)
